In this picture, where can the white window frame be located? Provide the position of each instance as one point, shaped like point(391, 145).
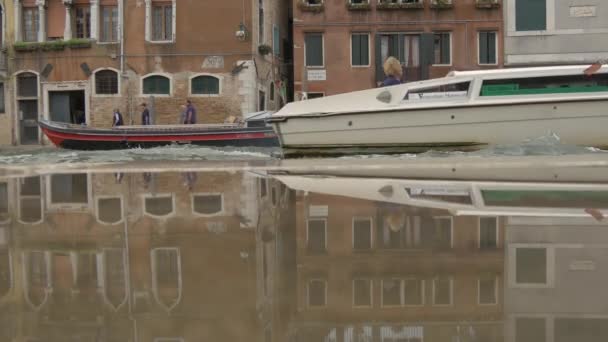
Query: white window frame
point(94, 83)
point(322, 66)
point(26, 277)
point(39, 197)
point(451, 48)
point(154, 278)
point(146, 196)
point(512, 264)
point(422, 287)
point(122, 210)
point(68, 206)
point(371, 231)
point(400, 293)
point(104, 271)
point(98, 21)
point(369, 53)
point(141, 84)
point(495, 46)
point(371, 292)
point(479, 292)
point(148, 24)
point(324, 219)
point(219, 78)
point(308, 293)
point(497, 227)
point(219, 213)
point(451, 278)
point(17, 98)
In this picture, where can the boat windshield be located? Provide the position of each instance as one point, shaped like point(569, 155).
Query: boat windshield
point(438, 92)
point(546, 85)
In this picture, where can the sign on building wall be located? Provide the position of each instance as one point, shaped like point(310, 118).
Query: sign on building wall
point(582, 11)
point(316, 75)
point(213, 62)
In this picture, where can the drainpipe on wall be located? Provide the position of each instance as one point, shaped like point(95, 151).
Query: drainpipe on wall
point(122, 37)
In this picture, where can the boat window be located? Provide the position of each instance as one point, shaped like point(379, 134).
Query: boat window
point(545, 85)
point(546, 199)
point(444, 91)
point(451, 195)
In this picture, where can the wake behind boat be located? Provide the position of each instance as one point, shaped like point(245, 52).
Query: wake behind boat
point(464, 110)
point(253, 133)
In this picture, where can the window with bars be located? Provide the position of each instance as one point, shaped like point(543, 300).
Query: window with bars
point(487, 47)
point(27, 85)
point(442, 45)
point(82, 21)
point(109, 24)
point(30, 24)
point(207, 204)
point(156, 85)
point(205, 85)
point(360, 49)
point(162, 22)
point(106, 82)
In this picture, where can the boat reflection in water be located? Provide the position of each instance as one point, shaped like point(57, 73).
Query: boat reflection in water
point(253, 256)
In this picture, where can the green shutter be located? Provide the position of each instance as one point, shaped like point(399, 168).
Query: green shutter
point(445, 48)
point(483, 47)
point(276, 40)
point(205, 85)
point(378, 58)
point(364, 50)
point(530, 15)
point(356, 49)
point(491, 47)
point(314, 49)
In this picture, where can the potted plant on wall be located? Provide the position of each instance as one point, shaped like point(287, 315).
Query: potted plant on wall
point(441, 4)
point(311, 5)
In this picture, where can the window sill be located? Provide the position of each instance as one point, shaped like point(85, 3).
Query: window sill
point(107, 43)
point(205, 95)
point(360, 66)
point(441, 65)
point(106, 95)
point(160, 41)
point(404, 6)
point(156, 95)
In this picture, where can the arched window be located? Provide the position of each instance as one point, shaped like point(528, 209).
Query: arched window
point(109, 210)
point(106, 82)
point(208, 204)
point(159, 206)
point(205, 85)
point(156, 85)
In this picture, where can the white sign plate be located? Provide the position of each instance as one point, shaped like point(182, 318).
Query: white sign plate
point(582, 11)
point(317, 75)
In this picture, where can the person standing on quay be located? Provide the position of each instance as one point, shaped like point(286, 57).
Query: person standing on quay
point(117, 118)
point(145, 115)
point(190, 113)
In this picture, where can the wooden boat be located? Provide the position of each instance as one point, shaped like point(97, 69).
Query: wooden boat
point(79, 137)
point(464, 110)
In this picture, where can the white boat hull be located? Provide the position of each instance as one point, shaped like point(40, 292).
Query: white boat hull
point(581, 122)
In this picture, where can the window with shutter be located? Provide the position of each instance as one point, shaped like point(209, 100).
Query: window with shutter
point(314, 49)
point(442, 48)
point(360, 49)
point(487, 47)
point(530, 15)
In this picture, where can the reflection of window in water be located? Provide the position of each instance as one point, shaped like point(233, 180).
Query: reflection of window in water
point(30, 201)
point(442, 290)
point(316, 240)
point(317, 292)
point(488, 232)
point(362, 292)
point(109, 209)
point(208, 204)
point(391, 292)
point(413, 291)
point(5, 272)
point(4, 214)
point(87, 271)
point(580, 329)
point(362, 233)
point(167, 267)
point(37, 272)
point(488, 286)
point(436, 232)
point(531, 266)
point(358, 334)
point(159, 206)
point(401, 334)
point(530, 330)
point(69, 188)
point(114, 274)
point(400, 231)
point(263, 187)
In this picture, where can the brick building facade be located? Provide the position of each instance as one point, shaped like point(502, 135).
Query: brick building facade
point(77, 60)
point(340, 46)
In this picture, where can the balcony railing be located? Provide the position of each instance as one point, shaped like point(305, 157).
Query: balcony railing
point(399, 4)
point(441, 4)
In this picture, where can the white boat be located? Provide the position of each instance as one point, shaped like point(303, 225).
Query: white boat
point(464, 110)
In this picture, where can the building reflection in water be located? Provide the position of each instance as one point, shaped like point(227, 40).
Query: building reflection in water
point(175, 257)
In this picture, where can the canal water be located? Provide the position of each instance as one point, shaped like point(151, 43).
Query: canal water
point(188, 244)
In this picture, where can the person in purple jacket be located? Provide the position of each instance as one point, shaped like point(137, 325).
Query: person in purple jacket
point(190, 113)
point(393, 72)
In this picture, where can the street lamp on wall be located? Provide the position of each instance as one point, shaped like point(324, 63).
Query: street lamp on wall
point(241, 33)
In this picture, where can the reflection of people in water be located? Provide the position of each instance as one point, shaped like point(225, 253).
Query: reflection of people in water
point(147, 176)
point(118, 176)
point(189, 179)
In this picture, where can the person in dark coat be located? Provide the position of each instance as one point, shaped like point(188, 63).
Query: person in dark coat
point(117, 118)
point(145, 114)
point(190, 113)
point(393, 72)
